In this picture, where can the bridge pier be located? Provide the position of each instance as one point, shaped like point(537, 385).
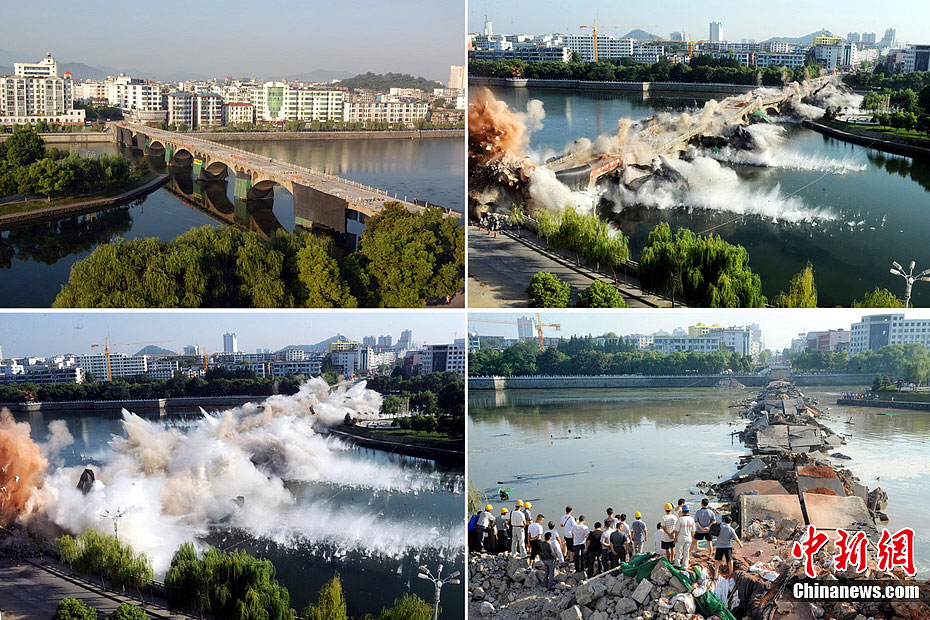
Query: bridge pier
point(242, 186)
point(198, 166)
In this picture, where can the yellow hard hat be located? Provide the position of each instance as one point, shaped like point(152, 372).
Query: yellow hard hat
point(668, 507)
point(489, 507)
point(637, 514)
point(519, 502)
point(527, 505)
point(503, 511)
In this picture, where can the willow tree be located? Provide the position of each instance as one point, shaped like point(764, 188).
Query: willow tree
point(801, 293)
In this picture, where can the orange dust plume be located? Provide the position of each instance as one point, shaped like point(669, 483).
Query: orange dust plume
point(21, 467)
point(495, 132)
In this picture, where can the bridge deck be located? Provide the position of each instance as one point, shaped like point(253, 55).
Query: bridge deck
point(367, 199)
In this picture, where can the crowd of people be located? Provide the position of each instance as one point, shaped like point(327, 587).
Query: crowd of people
point(610, 543)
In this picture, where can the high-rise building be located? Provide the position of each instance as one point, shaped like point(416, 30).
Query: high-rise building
point(853, 37)
point(36, 93)
point(406, 339)
point(488, 27)
point(192, 349)
point(868, 38)
point(230, 343)
point(716, 32)
point(889, 39)
point(678, 35)
point(444, 357)
point(369, 341)
point(526, 328)
point(917, 58)
point(457, 77)
point(878, 330)
point(385, 341)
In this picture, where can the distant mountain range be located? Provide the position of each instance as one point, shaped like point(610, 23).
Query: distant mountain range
point(323, 345)
point(807, 39)
point(640, 34)
point(154, 350)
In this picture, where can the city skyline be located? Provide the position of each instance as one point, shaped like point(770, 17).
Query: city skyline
point(778, 326)
point(46, 334)
point(292, 38)
point(792, 19)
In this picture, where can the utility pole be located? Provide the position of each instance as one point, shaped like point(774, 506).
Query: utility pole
point(438, 582)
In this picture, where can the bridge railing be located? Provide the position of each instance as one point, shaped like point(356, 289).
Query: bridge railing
point(326, 175)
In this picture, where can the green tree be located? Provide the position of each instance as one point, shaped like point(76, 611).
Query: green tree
point(73, 609)
point(331, 603)
point(802, 292)
point(408, 607)
point(600, 294)
point(24, 147)
point(878, 298)
point(546, 290)
point(125, 611)
point(319, 273)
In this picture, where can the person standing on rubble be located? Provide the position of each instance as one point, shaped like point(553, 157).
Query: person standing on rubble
point(668, 537)
point(547, 552)
point(534, 532)
point(484, 529)
point(592, 551)
point(684, 536)
point(660, 550)
point(568, 525)
point(606, 547)
point(579, 538)
point(725, 540)
point(639, 533)
point(555, 541)
point(529, 519)
point(625, 527)
point(503, 538)
point(619, 539)
point(704, 518)
point(517, 525)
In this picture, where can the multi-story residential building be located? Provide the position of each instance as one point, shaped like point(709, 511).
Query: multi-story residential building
point(208, 110)
point(342, 345)
point(180, 107)
point(192, 349)
point(457, 77)
point(230, 342)
point(444, 357)
point(407, 112)
point(529, 54)
point(715, 32)
point(281, 101)
point(878, 330)
point(526, 328)
point(385, 341)
point(44, 376)
point(36, 93)
point(775, 47)
point(91, 91)
point(163, 369)
point(735, 339)
point(369, 341)
point(129, 93)
point(640, 341)
point(311, 367)
point(647, 53)
point(406, 339)
point(291, 355)
point(782, 59)
point(121, 365)
point(607, 47)
point(917, 58)
point(686, 344)
point(239, 112)
point(831, 340)
point(702, 330)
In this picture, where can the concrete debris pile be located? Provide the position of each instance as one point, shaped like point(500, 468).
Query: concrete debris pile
point(505, 587)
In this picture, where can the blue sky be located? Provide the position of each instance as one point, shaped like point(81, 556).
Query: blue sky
point(741, 19)
point(778, 325)
point(268, 38)
point(48, 333)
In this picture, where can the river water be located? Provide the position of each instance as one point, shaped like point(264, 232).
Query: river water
point(35, 260)
point(376, 572)
point(848, 210)
point(636, 449)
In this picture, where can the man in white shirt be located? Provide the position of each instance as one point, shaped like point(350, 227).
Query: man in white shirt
point(609, 528)
point(568, 525)
point(517, 523)
point(684, 534)
point(579, 535)
point(485, 526)
point(555, 541)
point(668, 536)
point(534, 532)
point(677, 511)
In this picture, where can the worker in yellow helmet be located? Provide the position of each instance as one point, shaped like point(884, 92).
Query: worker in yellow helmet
point(529, 520)
point(518, 524)
point(668, 537)
point(502, 524)
point(638, 532)
point(485, 529)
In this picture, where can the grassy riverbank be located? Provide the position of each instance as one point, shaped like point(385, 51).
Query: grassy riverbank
point(910, 137)
point(431, 439)
point(35, 204)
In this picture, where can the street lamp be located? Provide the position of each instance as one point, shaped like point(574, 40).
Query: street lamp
point(438, 581)
point(910, 278)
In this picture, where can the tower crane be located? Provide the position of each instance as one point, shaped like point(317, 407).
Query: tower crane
point(106, 350)
point(539, 327)
point(594, 28)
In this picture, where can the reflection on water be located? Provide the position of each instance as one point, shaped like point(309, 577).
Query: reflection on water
point(636, 449)
point(303, 561)
point(877, 215)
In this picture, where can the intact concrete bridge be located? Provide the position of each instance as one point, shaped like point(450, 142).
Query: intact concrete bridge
point(321, 200)
point(584, 168)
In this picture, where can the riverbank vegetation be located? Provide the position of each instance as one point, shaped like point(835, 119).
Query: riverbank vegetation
point(584, 356)
point(438, 400)
point(106, 558)
point(28, 168)
point(404, 259)
point(384, 82)
point(331, 605)
point(216, 382)
point(910, 362)
point(702, 70)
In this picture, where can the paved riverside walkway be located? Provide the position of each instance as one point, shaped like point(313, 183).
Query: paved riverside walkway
point(31, 590)
point(500, 269)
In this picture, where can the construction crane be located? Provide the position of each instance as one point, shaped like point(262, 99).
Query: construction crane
point(594, 28)
point(539, 327)
point(106, 350)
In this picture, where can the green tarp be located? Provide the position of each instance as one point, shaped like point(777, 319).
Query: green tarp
point(640, 566)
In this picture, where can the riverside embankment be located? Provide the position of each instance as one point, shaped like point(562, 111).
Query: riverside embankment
point(114, 407)
point(423, 449)
point(549, 382)
point(96, 137)
point(873, 142)
point(624, 87)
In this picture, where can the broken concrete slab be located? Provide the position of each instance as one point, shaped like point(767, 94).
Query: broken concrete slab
point(641, 593)
point(752, 467)
point(759, 487)
point(806, 483)
point(777, 507)
point(831, 512)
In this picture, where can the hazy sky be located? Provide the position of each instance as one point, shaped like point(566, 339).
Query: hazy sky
point(238, 37)
point(779, 326)
point(741, 19)
point(48, 333)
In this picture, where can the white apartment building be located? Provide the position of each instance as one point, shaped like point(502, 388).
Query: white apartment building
point(878, 330)
point(36, 93)
point(526, 328)
point(90, 90)
point(607, 47)
point(457, 77)
point(774, 47)
point(686, 344)
point(715, 32)
point(648, 54)
point(390, 112)
point(780, 59)
point(311, 367)
point(240, 112)
point(640, 341)
point(129, 93)
point(230, 342)
point(280, 101)
point(208, 110)
point(121, 365)
point(735, 339)
point(917, 58)
point(180, 107)
point(444, 357)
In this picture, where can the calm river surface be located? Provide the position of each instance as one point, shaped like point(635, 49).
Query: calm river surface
point(850, 211)
point(371, 582)
point(35, 260)
point(636, 449)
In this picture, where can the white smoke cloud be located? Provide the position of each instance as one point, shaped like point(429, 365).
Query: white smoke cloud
point(234, 469)
point(59, 438)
